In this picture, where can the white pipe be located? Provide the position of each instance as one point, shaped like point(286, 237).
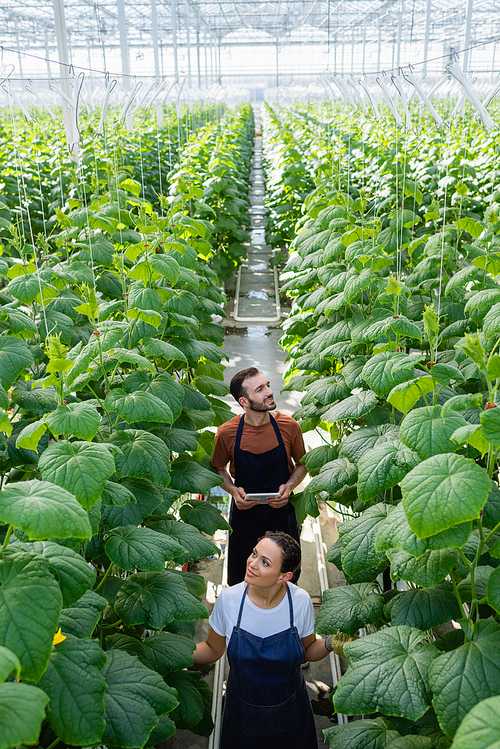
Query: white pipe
point(220, 667)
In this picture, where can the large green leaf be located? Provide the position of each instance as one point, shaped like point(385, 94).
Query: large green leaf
point(465, 676)
point(79, 467)
point(428, 431)
point(167, 652)
point(116, 494)
point(81, 618)
point(352, 407)
point(426, 571)
point(425, 609)
point(76, 686)
point(383, 371)
point(190, 710)
point(395, 533)
point(356, 444)
point(443, 491)
point(157, 599)
point(14, 357)
point(80, 420)
point(404, 396)
point(147, 497)
point(9, 662)
point(388, 673)
point(493, 590)
point(30, 606)
point(382, 468)
point(143, 456)
point(195, 543)
point(22, 710)
point(134, 700)
point(140, 548)
point(372, 733)
point(203, 516)
point(137, 406)
point(347, 608)
point(74, 574)
point(188, 476)
point(333, 476)
point(490, 423)
point(154, 347)
point(358, 540)
point(480, 729)
point(178, 440)
point(43, 511)
point(169, 391)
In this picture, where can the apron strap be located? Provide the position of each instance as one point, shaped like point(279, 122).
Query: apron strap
point(290, 605)
point(241, 604)
point(277, 431)
point(239, 432)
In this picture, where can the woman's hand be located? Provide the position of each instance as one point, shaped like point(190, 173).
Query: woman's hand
point(211, 650)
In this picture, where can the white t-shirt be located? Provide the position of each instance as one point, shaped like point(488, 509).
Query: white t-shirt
point(261, 622)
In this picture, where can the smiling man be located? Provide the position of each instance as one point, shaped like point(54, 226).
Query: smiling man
point(263, 452)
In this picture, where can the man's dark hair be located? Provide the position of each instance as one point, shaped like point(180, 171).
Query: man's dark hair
point(236, 384)
point(290, 550)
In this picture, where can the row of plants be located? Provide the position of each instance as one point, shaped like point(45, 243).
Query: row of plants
point(393, 338)
point(111, 377)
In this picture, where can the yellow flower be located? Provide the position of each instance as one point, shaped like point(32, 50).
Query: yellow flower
point(58, 637)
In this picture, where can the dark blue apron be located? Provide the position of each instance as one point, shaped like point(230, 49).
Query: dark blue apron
point(267, 705)
point(258, 473)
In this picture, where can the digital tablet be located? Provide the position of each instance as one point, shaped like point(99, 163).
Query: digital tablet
point(260, 497)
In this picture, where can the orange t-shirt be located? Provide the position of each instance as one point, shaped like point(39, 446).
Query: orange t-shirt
point(258, 440)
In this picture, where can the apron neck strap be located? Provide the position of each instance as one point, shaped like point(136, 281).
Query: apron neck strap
point(290, 604)
point(241, 424)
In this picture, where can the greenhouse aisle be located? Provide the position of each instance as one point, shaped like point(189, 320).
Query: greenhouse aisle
point(257, 344)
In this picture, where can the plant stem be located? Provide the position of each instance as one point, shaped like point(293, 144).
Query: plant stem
point(104, 578)
point(6, 540)
point(54, 743)
point(457, 594)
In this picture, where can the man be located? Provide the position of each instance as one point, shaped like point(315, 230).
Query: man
point(263, 452)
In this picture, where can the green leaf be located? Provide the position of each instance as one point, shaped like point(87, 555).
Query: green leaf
point(493, 590)
point(404, 396)
point(388, 673)
point(14, 357)
point(79, 467)
point(116, 494)
point(319, 456)
point(76, 686)
point(480, 729)
point(30, 606)
point(382, 468)
point(137, 406)
point(154, 347)
point(134, 700)
point(80, 420)
point(490, 423)
point(132, 548)
point(428, 431)
point(188, 476)
point(167, 652)
point(195, 543)
point(143, 456)
point(179, 440)
point(425, 609)
point(395, 533)
point(81, 618)
point(465, 676)
point(190, 709)
point(491, 322)
point(74, 574)
point(43, 511)
point(203, 516)
point(372, 733)
point(157, 599)
point(428, 570)
point(333, 476)
point(305, 503)
point(169, 391)
point(358, 540)
point(382, 373)
point(353, 407)
point(347, 608)
point(354, 446)
point(9, 662)
point(443, 491)
point(30, 436)
point(22, 710)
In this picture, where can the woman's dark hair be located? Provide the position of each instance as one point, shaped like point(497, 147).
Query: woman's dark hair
point(291, 554)
point(236, 384)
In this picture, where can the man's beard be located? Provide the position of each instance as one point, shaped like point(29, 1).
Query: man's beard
point(266, 406)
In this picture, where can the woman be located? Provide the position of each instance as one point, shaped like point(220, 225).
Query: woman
point(267, 624)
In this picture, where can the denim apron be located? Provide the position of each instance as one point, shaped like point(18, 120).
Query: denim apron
point(258, 473)
point(267, 705)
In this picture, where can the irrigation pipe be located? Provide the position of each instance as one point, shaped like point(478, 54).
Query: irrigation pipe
point(220, 667)
point(323, 581)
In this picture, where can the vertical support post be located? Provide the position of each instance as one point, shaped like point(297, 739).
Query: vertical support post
point(352, 53)
point(468, 24)
point(426, 37)
point(154, 34)
point(379, 43)
point(211, 60)
point(277, 64)
point(47, 55)
point(122, 25)
point(64, 63)
point(19, 59)
point(198, 50)
point(398, 42)
point(363, 51)
point(218, 64)
point(205, 45)
point(174, 37)
point(493, 61)
point(187, 21)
